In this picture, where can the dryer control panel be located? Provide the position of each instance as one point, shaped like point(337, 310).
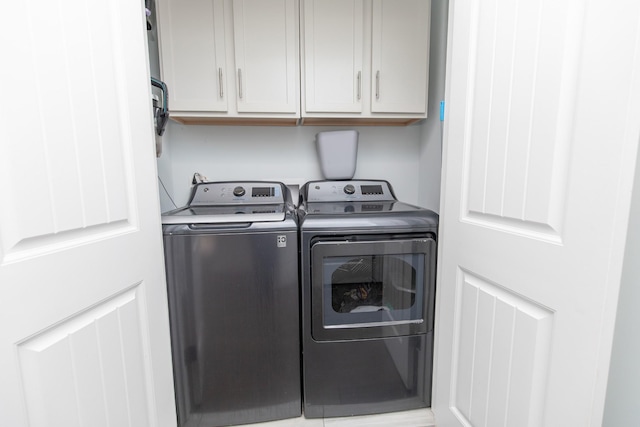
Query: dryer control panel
point(345, 191)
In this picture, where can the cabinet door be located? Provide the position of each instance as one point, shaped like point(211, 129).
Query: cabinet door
point(266, 55)
point(400, 56)
point(192, 54)
point(333, 52)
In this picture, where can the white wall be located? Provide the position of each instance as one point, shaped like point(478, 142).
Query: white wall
point(623, 389)
point(431, 137)
point(286, 154)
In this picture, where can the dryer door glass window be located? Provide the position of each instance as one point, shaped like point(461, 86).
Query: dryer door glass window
point(378, 284)
point(372, 288)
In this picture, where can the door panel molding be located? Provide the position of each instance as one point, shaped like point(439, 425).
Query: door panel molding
point(500, 354)
point(519, 133)
point(44, 244)
point(89, 364)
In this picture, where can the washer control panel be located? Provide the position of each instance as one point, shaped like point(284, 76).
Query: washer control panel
point(344, 191)
point(237, 193)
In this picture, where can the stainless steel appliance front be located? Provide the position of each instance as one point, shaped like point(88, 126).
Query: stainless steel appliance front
point(368, 266)
point(233, 295)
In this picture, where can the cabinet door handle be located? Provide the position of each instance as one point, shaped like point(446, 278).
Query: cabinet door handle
point(378, 84)
point(359, 84)
point(220, 82)
point(240, 83)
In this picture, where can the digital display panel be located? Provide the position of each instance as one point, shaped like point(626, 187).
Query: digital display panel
point(262, 192)
point(371, 189)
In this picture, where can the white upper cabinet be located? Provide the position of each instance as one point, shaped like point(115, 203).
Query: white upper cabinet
point(333, 62)
point(192, 36)
point(230, 59)
point(400, 56)
point(365, 59)
point(266, 55)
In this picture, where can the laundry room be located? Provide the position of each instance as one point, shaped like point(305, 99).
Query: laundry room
point(320, 213)
point(385, 165)
point(223, 143)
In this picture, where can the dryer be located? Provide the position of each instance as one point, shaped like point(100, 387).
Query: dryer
point(368, 264)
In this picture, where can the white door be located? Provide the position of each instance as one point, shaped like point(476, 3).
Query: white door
point(543, 123)
point(84, 336)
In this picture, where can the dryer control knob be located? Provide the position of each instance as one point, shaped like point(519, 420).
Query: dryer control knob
point(349, 189)
point(239, 191)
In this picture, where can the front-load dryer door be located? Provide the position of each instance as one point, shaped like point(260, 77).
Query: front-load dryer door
point(371, 289)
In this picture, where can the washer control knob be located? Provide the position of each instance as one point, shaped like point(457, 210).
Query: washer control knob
point(349, 189)
point(239, 191)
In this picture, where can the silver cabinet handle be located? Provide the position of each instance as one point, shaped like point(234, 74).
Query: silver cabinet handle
point(240, 83)
point(220, 83)
point(359, 84)
point(378, 84)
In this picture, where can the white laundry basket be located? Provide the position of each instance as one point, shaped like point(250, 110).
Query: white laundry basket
point(337, 152)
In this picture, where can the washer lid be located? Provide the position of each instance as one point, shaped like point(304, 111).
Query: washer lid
point(225, 214)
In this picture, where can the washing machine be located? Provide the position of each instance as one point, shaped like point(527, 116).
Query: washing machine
point(368, 268)
point(232, 275)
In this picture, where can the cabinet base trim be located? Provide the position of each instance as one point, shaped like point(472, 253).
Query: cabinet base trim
point(372, 121)
point(237, 121)
point(305, 121)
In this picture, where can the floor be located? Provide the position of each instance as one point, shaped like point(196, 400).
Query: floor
point(415, 418)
